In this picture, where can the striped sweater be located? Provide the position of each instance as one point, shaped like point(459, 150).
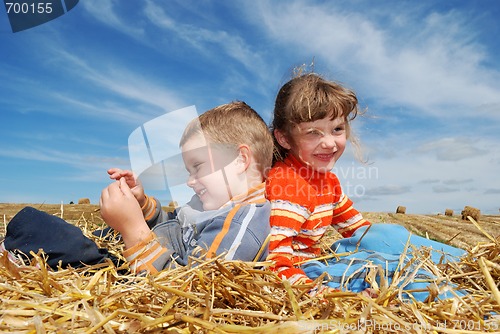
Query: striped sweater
point(304, 203)
point(239, 228)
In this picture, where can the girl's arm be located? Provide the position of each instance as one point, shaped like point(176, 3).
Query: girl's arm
point(286, 220)
point(346, 219)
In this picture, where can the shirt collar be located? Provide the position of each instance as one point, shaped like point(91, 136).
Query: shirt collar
point(254, 195)
point(301, 168)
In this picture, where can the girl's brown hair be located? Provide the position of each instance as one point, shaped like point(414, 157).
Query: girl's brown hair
point(308, 98)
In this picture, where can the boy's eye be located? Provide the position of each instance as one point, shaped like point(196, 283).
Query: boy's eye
point(194, 168)
point(197, 166)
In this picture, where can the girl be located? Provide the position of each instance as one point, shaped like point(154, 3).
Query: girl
point(310, 128)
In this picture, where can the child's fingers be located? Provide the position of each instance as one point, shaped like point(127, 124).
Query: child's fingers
point(114, 189)
point(108, 193)
point(114, 173)
point(124, 188)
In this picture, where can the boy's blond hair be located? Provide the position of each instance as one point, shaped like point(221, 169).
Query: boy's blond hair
point(234, 124)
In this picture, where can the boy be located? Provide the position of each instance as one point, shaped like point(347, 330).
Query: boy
point(227, 152)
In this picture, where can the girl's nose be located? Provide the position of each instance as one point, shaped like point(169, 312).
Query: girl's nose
point(328, 141)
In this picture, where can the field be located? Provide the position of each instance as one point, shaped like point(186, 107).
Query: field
point(217, 296)
point(450, 230)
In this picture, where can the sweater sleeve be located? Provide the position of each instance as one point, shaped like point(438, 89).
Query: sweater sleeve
point(142, 256)
point(239, 232)
point(288, 213)
point(346, 219)
point(153, 212)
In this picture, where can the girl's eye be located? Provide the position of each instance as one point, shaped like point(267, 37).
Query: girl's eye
point(339, 129)
point(313, 132)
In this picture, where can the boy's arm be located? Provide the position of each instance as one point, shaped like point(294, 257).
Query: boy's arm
point(346, 219)
point(153, 212)
point(239, 232)
point(158, 251)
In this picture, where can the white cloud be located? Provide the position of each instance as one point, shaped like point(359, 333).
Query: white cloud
point(422, 182)
point(205, 40)
point(78, 159)
point(444, 189)
point(453, 149)
point(388, 190)
point(428, 63)
point(124, 82)
point(104, 11)
point(457, 182)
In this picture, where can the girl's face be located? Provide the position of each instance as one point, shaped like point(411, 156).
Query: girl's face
point(318, 144)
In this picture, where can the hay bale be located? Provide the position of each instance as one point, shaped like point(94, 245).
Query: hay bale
point(448, 212)
point(215, 295)
point(172, 206)
point(472, 212)
point(84, 201)
point(401, 209)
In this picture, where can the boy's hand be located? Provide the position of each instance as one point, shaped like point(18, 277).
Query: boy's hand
point(121, 211)
point(132, 181)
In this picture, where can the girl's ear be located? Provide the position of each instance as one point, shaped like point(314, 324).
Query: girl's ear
point(282, 139)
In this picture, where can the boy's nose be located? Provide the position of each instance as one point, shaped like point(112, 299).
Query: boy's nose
point(191, 181)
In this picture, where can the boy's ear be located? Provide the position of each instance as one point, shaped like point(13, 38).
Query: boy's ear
point(282, 139)
point(244, 158)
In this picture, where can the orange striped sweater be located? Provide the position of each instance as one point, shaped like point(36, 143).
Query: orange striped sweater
point(304, 203)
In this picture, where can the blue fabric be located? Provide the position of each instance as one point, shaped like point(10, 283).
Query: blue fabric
point(64, 244)
point(381, 246)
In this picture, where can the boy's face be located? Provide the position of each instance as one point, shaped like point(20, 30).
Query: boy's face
point(211, 169)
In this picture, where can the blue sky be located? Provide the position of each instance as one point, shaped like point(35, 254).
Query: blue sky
point(428, 74)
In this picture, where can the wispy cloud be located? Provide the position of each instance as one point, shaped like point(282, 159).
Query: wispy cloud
point(207, 41)
point(78, 160)
point(104, 11)
point(123, 82)
point(430, 181)
point(426, 61)
point(453, 149)
point(444, 189)
point(388, 190)
point(457, 182)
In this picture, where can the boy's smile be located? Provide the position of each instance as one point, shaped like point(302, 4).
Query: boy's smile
point(211, 169)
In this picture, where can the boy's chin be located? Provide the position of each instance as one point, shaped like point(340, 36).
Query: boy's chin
point(207, 206)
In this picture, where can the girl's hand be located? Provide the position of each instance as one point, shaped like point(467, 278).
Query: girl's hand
point(321, 291)
point(121, 211)
point(132, 181)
